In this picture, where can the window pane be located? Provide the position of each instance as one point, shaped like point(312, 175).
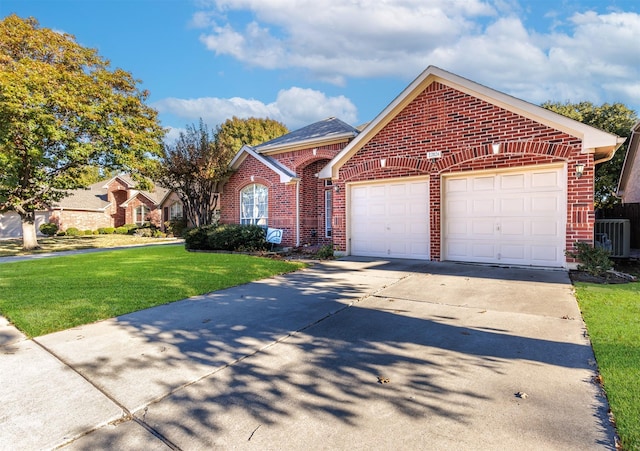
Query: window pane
point(254, 205)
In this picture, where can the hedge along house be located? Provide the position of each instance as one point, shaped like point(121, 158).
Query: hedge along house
point(275, 184)
point(450, 170)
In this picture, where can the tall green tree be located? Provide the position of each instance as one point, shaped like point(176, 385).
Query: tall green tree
point(614, 118)
point(197, 164)
point(62, 111)
point(235, 132)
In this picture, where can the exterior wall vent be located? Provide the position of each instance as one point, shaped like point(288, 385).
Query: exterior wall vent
point(614, 235)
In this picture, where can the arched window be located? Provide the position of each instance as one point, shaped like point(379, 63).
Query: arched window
point(254, 200)
point(140, 214)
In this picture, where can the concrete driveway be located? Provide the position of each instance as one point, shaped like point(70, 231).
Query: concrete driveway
point(348, 354)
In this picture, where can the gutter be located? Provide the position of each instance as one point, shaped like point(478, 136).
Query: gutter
point(610, 155)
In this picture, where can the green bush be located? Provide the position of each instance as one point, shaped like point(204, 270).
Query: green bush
point(325, 252)
point(594, 260)
point(72, 231)
point(106, 230)
point(176, 227)
point(87, 232)
point(196, 238)
point(49, 228)
point(227, 237)
point(122, 230)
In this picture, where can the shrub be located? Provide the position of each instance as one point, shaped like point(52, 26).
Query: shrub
point(176, 227)
point(49, 228)
point(228, 237)
point(106, 230)
point(594, 260)
point(72, 231)
point(122, 230)
point(87, 232)
point(197, 238)
point(325, 252)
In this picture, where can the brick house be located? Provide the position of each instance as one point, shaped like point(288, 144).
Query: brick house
point(114, 203)
point(449, 170)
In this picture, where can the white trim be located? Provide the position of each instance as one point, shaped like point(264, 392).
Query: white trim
point(247, 150)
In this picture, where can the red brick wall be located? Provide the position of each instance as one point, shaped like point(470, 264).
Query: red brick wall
point(305, 163)
point(463, 128)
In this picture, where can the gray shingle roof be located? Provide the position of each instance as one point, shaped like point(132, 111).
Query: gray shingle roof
point(94, 197)
point(326, 128)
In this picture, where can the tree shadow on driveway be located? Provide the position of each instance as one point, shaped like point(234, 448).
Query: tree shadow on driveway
point(323, 357)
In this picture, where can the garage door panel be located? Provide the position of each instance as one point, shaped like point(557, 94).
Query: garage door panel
point(483, 183)
point(453, 229)
point(456, 186)
point(483, 250)
point(545, 204)
point(390, 219)
point(482, 228)
point(513, 228)
point(521, 220)
point(512, 182)
point(547, 228)
point(512, 206)
point(548, 179)
point(515, 252)
point(482, 207)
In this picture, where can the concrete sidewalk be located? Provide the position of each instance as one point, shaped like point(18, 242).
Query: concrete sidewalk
point(348, 354)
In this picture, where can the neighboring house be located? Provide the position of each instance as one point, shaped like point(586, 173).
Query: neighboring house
point(114, 203)
point(449, 170)
point(629, 183)
point(11, 224)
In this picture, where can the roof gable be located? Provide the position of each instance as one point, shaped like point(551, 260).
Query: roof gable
point(602, 144)
point(286, 175)
point(323, 132)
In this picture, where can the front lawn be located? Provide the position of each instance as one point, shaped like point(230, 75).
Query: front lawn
point(612, 316)
point(56, 293)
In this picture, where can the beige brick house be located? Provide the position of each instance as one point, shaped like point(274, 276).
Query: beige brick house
point(449, 170)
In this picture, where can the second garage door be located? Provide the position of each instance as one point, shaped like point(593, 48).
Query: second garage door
point(506, 217)
point(390, 219)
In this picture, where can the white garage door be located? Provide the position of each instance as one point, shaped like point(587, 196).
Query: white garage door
point(11, 224)
point(511, 217)
point(390, 219)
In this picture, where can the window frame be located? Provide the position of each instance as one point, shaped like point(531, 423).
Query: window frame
point(328, 213)
point(260, 205)
point(141, 211)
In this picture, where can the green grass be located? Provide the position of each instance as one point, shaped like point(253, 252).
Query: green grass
point(612, 315)
point(51, 294)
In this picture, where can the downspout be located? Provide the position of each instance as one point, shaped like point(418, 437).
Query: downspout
point(298, 213)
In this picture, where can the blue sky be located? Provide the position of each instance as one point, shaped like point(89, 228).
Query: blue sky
point(299, 61)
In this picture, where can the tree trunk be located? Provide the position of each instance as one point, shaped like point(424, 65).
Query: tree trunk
point(29, 237)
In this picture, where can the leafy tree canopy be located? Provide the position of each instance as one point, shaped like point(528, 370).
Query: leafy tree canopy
point(614, 118)
point(235, 132)
point(63, 110)
point(197, 164)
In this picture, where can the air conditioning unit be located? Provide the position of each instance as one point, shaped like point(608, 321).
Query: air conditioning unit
point(614, 235)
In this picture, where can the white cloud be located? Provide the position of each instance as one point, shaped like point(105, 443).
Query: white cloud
point(295, 107)
point(553, 55)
